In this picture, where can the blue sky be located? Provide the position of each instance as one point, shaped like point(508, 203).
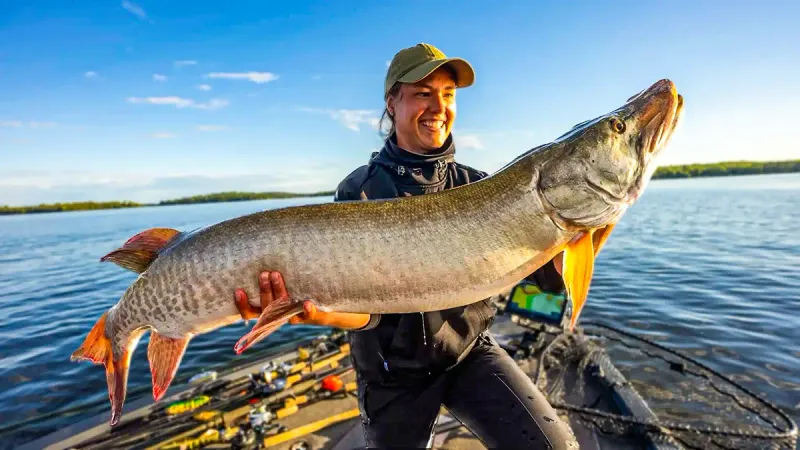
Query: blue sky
point(149, 100)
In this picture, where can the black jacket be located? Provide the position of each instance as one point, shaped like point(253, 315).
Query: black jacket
point(398, 347)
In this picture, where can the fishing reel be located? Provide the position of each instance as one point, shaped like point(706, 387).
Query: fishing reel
point(271, 377)
point(258, 425)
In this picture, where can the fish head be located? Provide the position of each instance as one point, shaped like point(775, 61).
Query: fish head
point(602, 166)
point(588, 177)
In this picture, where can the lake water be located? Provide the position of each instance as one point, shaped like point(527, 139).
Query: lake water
point(707, 266)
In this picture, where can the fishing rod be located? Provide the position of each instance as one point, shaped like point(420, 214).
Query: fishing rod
point(275, 376)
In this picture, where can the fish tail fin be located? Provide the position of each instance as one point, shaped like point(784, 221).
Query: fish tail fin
point(97, 349)
point(164, 354)
point(273, 316)
point(117, 380)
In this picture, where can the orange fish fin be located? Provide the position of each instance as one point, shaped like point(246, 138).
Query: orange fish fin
point(271, 319)
point(117, 380)
point(138, 252)
point(164, 354)
point(600, 236)
point(577, 273)
point(96, 348)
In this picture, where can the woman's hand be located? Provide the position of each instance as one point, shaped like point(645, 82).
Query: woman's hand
point(272, 288)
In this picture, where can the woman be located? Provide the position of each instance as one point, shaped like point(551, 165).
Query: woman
point(408, 365)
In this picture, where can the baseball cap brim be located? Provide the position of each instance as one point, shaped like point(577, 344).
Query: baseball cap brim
point(465, 75)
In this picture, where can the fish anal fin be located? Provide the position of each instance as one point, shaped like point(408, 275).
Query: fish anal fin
point(600, 236)
point(273, 316)
point(577, 272)
point(138, 252)
point(165, 354)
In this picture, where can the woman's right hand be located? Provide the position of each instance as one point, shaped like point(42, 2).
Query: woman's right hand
point(272, 288)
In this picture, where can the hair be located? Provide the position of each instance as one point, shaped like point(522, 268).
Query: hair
point(395, 89)
point(386, 115)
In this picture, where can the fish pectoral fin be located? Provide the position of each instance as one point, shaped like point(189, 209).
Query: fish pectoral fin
point(273, 316)
point(142, 249)
point(164, 354)
point(600, 236)
point(577, 273)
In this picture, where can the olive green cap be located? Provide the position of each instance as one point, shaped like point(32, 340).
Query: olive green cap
point(412, 64)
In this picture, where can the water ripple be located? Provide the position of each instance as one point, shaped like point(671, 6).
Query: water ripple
point(709, 267)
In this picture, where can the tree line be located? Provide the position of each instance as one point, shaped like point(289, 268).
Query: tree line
point(238, 197)
point(207, 198)
point(727, 168)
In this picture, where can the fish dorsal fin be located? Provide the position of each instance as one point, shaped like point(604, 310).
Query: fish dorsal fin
point(142, 249)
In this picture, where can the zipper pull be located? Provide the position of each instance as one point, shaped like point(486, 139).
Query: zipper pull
point(424, 335)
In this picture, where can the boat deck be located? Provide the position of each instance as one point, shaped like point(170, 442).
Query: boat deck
point(450, 434)
point(333, 422)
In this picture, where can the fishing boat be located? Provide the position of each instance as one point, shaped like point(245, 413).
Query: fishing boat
point(303, 396)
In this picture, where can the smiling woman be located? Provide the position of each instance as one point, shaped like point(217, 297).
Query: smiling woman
point(421, 361)
point(424, 120)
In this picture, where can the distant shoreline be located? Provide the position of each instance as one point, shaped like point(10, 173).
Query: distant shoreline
point(221, 197)
point(721, 169)
point(728, 168)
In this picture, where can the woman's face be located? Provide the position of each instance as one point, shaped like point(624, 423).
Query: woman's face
point(424, 112)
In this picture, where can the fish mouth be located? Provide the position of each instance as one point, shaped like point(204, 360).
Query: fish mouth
point(659, 109)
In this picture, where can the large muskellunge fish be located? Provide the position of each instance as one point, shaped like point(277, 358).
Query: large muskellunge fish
point(403, 255)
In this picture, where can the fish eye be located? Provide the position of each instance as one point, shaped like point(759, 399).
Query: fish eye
point(617, 125)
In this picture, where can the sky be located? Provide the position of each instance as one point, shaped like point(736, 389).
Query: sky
point(151, 100)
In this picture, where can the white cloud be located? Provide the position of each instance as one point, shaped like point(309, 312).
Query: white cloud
point(41, 124)
point(204, 87)
point(90, 74)
point(159, 77)
point(212, 127)
point(134, 9)
point(469, 141)
point(180, 102)
point(350, 118)
point(20, 124)
point(162, 135)
point(185, 62)
point(255, 77)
